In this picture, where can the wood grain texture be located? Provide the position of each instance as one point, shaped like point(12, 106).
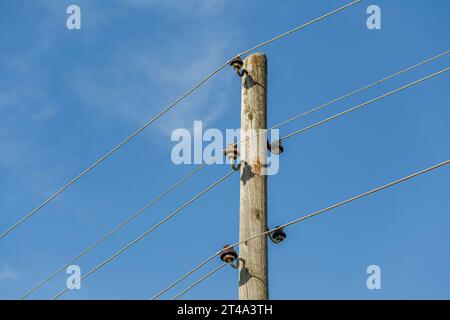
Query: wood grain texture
point(253, 271)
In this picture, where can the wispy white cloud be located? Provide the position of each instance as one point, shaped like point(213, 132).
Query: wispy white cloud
point(26, 104)
point(134, 81)
point(139, 78)
point(8, 274)
point(22, 104)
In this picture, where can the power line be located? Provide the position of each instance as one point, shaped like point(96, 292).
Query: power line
point(199, 280)
point(109, 153)
point(299, 28)
point(290, 135)
point(300, 131)
point(202, 166)
point(132, 136)
point(109, 234)
point(343, 202)
point(149, 231)
point(361, 89)
point(352, 93)
point(329, 208)
point(364, 104)
point(315, 109)
point(169, 107)
point(362, 195)
point(411, 176)
point(156, 296)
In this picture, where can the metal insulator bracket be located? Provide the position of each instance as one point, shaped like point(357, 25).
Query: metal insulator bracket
point(237, 65)
point(228, 255)
point(231, 152)
point(275, 147)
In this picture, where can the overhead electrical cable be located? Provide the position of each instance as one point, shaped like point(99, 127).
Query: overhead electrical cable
point(110, 233)
point(373, 84)
point(146, 233)
point(164, 111)
point(199, 281)
point(364, 104)
point(313, 214)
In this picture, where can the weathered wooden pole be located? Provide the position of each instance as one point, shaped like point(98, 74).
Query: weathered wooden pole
point(253, 269)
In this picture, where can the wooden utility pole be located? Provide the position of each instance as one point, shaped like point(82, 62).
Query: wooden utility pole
point(253, 269)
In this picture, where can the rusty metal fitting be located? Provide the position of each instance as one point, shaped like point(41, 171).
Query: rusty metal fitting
point(278, 235)
point(236, 167)
point(237, 65)
point(275, 147)
point(228, 255)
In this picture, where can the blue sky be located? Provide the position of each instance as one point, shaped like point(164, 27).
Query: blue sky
point(67, 97)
